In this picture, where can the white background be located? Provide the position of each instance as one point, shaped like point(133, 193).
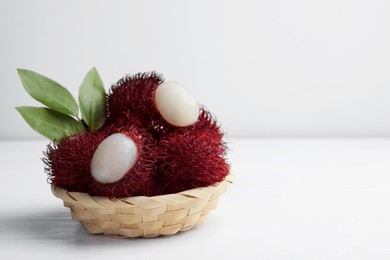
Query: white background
point(265, 68)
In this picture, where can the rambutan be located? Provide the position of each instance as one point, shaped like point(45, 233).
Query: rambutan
point(138, 180)
point(190, 160)
point(68, 163)
point(133, 97)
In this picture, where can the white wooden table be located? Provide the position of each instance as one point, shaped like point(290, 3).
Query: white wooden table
point(292, 199)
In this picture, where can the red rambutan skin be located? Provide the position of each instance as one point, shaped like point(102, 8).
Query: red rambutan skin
point(206, 122)
point(191, 159)
point(133, 93)
point(68, 164)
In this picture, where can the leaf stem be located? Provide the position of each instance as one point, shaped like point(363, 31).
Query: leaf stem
point(87, 129)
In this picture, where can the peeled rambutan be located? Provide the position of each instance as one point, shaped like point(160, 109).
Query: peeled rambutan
point(133, 96)
point(138, 180)
point(68, 163)
point(190, 160)
point(131, 100)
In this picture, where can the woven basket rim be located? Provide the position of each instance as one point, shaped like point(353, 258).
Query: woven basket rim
point(142, 216)
point(59, 192)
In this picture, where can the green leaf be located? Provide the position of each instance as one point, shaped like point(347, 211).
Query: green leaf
point(48, 92)
point(92, 100)
point(50, 123)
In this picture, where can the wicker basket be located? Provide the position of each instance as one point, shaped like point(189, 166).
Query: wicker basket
point(142, 216)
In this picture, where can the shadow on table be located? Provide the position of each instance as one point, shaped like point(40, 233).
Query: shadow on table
point(57, 227)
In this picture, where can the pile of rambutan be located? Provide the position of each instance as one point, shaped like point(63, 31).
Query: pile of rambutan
point(155, 139)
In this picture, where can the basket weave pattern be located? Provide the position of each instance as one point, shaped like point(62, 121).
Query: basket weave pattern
point(142, 216)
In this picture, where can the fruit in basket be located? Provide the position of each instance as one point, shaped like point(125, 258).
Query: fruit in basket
point(146, 137)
